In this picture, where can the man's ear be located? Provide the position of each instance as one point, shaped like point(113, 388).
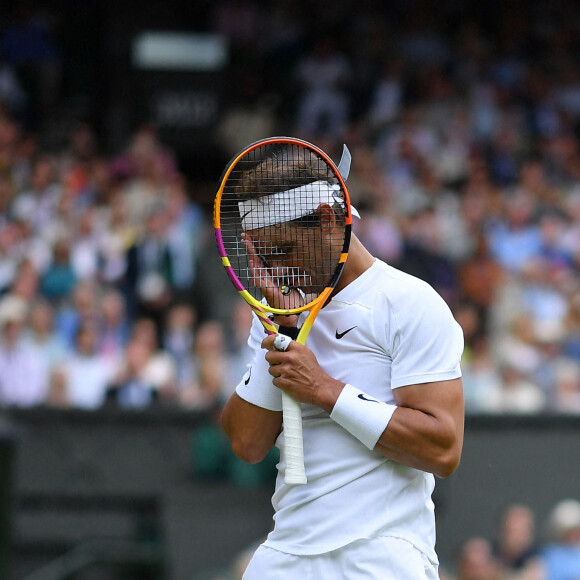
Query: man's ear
point(327, 217)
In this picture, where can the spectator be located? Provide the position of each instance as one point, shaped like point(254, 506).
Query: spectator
point(84, 250)
point(32, 248)
point(114, 325)
point(422, 256)
point(519, 347)
point(120, 236)
point(515, 393)
point(146, 374)
point(38, 205)
point(59, 280)
point(566, 389)
point(40, 334)
point(401, 151)
point(561, 556)
point(8, 258)
point(476, 561)
point(322, 77)
point(129, 386)
point(570, 237)
point(7, 191)
point(79, 307)
point(185, 223)
point(159, 369)
point(542, 295)
point(387, 95)
point(515, 239)
point(556, 257)
point(481, 375)
point(515, 548)
point(236, 344)
point(150, 270)
point(145, 169)
point(87, 373)
point(479, 277)
point(26, 282)
point(24, 375)
point(178, 338)
point(209, 369)
point(571, 328)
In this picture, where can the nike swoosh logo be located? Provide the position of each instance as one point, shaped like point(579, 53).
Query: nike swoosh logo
point(244, 216)
point(249, 377)
point(339, 335)
point(361, 396)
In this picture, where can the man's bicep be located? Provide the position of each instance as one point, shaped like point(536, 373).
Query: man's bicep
point(426, 430)
point(436, 399)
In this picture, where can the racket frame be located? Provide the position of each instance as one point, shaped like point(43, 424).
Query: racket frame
point(291, 410)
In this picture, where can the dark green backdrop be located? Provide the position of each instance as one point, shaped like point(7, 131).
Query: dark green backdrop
point(137, 478)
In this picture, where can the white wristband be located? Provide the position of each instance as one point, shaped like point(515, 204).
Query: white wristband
point(362, 415)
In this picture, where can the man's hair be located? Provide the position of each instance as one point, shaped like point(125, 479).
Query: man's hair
point(281, 171)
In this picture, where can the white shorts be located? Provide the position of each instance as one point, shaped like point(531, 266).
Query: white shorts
point(384, 558)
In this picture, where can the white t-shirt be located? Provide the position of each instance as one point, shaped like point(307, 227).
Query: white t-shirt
point(385, 330)
point(87, 380)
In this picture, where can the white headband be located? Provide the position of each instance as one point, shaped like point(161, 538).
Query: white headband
point(289, 205)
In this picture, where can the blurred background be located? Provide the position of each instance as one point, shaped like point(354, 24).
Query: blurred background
point(121, 338)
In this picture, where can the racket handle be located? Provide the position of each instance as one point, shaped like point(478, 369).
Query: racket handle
point(292, 417)
point(293, 445)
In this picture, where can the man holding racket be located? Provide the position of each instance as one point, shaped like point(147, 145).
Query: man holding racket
point(379, 386)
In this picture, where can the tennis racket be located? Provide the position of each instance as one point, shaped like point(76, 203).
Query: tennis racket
point(282, 219)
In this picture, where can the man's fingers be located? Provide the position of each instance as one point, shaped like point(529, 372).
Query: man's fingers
point(271, 281)
point(268, 342)
point(281, 342)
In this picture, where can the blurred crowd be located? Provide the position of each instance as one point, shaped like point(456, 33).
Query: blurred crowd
point(464, 127)
point(520, 548)
point(464, 130)
point(97, 270)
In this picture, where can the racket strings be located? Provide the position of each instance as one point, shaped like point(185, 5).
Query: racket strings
point(289, 252)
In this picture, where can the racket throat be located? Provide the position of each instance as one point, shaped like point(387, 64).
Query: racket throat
point(289, 331)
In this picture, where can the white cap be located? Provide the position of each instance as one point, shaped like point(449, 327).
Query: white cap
point(13, 309)
point(564, 517)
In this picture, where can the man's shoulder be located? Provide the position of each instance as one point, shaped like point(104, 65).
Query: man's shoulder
point(385, 290)
point(398, 285)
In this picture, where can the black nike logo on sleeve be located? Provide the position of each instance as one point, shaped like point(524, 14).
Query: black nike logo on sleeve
point(249, 375)
point(362, 396)
point(339, 335)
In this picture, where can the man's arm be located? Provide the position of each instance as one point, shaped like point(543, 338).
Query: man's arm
point(251, 429)
point(425, 430)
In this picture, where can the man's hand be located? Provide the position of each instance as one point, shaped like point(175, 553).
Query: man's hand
point(272, 287)
point(296, 372)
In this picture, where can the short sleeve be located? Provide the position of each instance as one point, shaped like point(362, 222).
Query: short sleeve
point(426, 341)
point(256, 385)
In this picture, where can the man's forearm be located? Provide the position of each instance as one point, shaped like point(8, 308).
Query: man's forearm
point(252, 430)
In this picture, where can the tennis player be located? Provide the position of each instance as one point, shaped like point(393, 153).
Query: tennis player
point(382, 407)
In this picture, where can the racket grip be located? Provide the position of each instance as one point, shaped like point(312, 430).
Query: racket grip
point(293, 445)
point(295, 473)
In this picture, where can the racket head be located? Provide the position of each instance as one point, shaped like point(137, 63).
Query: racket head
point(282, 220)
